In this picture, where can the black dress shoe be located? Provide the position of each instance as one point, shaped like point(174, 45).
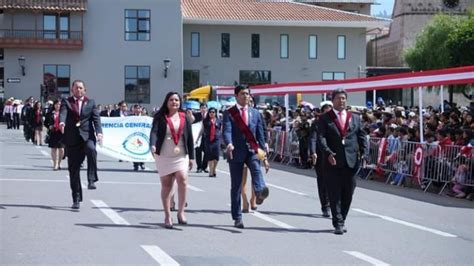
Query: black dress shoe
point(198, 171)
point(262, 195)
point(135, 168)
point(253, 208)
point(344, 229)
point(75, 205)
point(205, 171)
point(338, 230)
point(239, 224)
point(245, 210)
point(326, 214)
point(142, 166)
point(91, 186)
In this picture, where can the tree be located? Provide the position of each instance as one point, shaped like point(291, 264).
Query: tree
point(447, 41)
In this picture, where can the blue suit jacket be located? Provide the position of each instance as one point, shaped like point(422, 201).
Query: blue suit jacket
point(232, 134)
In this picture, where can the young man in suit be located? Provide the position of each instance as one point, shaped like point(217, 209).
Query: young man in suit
point(243, 131)
point(345, 145)
point(201, 162)
point(80, 123)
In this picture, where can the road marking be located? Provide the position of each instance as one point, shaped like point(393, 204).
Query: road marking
point(195, 188)
point(421, 227)
point(38, 147)
point(159, 255)
point(33, 180)
point(82, 183)
point(366, 258)
point(113, 215)
point(222, 171)
point(287, 190)
point(44, 153)
point(273, 221)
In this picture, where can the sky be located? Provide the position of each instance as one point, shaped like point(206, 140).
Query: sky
point(381, 6)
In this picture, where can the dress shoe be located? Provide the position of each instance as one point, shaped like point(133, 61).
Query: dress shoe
point(91, 185)
point(135, 168)
point(262, 195)
point(239, 224)
point(142, 166)
point(253, 208)
point(168, 226)
point(198, 171)
point(245, 210)
point(205, 171)
point(344, 229)
point(182, 221)
point(75, 205)
point(338, 230)
point(326, 214)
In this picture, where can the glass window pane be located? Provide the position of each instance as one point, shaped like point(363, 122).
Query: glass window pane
point(225, 45)
point(144, 72)
point(49, 22)
point(63, 71)
point(143, 36)
point(339, 75)
point(63, 82)
point(130, 24)
point(64, 23)
point(143, 25)
point(130, 72)
point(284, 46)
point(144, 13)
point(130, 36)
point(341, 47)
point(50, 69)
point(328, 76)
point(255, 45)
point(130, 13)
point(313, 46)
point(194, 44)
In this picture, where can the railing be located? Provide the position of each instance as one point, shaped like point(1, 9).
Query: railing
point(41, 34)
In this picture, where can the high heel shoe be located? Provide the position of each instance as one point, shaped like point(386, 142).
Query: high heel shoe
point(182, 221)
point(169, 225)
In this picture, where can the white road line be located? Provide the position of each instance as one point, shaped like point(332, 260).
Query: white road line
point(287, 190)
point(273, 221)
point(159, 255)
point(32, 180)
point(113, 215)
point(420, 227)
point(366, 258)
point(193, 188)
point(222, 171)
point(38, 147)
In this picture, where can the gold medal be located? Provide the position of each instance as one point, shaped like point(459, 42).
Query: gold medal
point(176, 150)
point(343, 141)
point(78, 124)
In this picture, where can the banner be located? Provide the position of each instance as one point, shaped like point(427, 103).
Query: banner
point(417, 161)
point(127, 138)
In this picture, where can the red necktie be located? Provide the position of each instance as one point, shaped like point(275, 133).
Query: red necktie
point(213, 131)
point(244, 115)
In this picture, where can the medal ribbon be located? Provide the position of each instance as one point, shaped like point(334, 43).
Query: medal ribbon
point(175, 136)
point(335, 119)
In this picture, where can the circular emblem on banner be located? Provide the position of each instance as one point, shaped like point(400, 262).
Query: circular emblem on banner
point(418, 156)
point(137, 143)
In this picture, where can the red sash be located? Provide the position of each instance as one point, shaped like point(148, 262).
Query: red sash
point(234, 112)
point(334, 118)
point(175, 135)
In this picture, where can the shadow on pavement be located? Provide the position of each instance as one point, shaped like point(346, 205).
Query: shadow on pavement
point(44, 207)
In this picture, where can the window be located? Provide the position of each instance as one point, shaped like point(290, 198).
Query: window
point(56, 26)
point(195, 43)
point(334, 75)
point(56, 80)
point(190, 80)
point(137, 25)
point(341, 47)
point(225, 45)
point(255, 45)
point(313, 47)
point(255, 77)
point(137, 84)
point(284, 39)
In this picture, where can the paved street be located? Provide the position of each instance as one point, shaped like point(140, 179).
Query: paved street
point(121, 221)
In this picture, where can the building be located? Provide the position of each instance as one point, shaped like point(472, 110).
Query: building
point(356, 6)
point(139, 50)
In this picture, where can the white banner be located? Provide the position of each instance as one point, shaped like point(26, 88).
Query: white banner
point(127, 138)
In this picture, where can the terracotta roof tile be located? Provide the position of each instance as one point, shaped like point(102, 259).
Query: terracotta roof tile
point(266, 10)
point(48, 5)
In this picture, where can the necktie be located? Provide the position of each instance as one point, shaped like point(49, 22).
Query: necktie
point(244, 115)
point(79, 105)
point(212, 134)
point(342, 121)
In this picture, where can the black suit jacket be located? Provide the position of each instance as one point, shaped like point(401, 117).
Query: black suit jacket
point(89, 122)
point(315, 145)
point(331, 141)
point(158, 133)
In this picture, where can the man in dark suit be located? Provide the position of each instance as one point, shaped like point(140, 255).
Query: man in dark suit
point(244, 135)
point(201, 162)
point(107, 110)
point(121, 111)
point(345, 145)
point(80, 122)
point(319, 160)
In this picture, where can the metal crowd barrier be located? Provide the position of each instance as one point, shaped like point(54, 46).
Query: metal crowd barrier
point(426, 164)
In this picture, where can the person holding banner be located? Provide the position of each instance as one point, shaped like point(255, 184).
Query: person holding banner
point(80, 123)
point(171, 142)
point(244, 136)
point(344, 143)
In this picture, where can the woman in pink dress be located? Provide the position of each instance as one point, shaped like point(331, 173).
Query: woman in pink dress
point(171, 142)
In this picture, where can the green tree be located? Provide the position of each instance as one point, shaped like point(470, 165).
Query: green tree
point(461, 42)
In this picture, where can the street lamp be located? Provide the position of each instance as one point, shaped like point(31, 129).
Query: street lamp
point(21, 62)
point(166, 62)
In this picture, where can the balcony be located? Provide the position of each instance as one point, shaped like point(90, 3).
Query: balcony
point(41, 39)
